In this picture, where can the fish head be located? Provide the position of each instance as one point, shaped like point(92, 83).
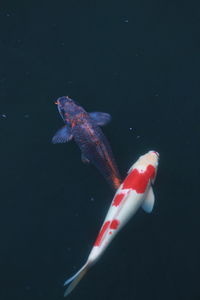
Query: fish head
point(151, 158)
point(67, 108)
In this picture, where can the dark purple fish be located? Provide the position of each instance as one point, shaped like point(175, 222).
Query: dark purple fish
point(84, 128)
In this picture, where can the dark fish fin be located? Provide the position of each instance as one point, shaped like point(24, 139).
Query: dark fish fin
point(63, 135)
point(84, 159)
point(100, 118)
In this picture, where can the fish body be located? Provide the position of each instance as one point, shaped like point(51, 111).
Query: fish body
point(135, 192)
point(85, 129)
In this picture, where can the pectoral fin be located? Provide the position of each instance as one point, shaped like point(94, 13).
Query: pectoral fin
point(100, 118)
point(63, 135)
point(149, 201)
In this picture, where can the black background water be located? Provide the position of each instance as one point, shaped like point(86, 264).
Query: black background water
point(139, 61)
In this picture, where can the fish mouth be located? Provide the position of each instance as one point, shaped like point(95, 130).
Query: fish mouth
point(155, 152)
point(62, 100)
point(66, 99)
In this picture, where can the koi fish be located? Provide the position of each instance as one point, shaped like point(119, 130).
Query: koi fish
point(135, 191)
point(84, 128)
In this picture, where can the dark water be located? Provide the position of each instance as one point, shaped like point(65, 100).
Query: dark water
point(139, 61)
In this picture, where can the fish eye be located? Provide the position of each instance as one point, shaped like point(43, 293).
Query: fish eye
point(74, 101)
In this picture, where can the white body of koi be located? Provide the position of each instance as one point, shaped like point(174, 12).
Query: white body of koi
point(135, 191)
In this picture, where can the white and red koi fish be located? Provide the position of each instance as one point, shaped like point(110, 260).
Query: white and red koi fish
point(135, 191)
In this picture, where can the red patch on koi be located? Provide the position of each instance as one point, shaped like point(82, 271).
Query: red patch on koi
point(117, 200)
point(101, 233)
point(138, 181)
point(114, 224)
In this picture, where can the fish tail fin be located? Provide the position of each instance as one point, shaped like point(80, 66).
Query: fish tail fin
point(74, 280)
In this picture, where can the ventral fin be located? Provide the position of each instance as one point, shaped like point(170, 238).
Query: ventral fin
point(149, 201)
point(63, 135)
point(84, 159)
point(100, 118)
